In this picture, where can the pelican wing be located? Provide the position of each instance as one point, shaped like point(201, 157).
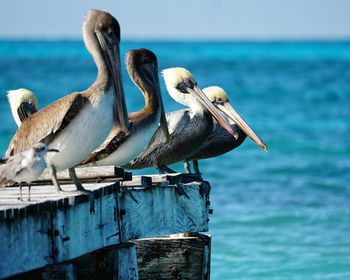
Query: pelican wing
point(177, 122)
point(47, 123)
point(114, 140)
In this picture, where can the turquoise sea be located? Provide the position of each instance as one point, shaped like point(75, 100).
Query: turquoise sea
point(284, 214)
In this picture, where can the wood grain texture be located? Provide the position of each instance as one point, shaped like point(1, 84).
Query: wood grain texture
point(45, 231)
point(163, 210)
point(174, 258)
point(59, 272)
point(117, 262)
point(51, 228)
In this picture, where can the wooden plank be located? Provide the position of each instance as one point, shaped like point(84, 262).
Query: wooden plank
point(26, 244)
point(164, 210)
point(58, 272)
point(42, 196)
point(174, 258)
point(57, 230)
point(83, 172)
point(80, 231)
point(170, 179)
point(117, 262)
point(52, 228)
point(86, 175)
point(125, 263)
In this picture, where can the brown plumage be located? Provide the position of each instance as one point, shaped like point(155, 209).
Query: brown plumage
point(51, 120)
point(119, 147)
point(77, 123)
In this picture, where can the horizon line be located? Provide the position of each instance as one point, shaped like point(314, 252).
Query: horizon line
point(186, 39)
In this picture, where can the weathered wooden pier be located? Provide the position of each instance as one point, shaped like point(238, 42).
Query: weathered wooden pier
point(129, 227)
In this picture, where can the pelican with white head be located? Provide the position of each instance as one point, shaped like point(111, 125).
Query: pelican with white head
point(23, 104)
point(188, 128)
point(219, 141)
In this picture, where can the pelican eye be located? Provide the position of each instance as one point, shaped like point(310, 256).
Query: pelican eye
point(219, 100)
point(185, 84)
point(110, 32)
point(181, 87)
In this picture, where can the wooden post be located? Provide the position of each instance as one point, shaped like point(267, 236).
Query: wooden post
point(117, 262)
point(59, 272)
point(174, 257)
point(125, 262)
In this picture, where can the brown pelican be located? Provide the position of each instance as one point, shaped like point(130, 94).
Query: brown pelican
point(79, 122)
point(23, 104)
point(25, 166)
point(188, 129)
point(119, 148)
point(219, 141)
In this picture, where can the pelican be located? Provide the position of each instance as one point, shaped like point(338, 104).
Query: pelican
point(219, 141)
point(119, 148)
point(188, 128)
point(79, 122)
point(23, 104)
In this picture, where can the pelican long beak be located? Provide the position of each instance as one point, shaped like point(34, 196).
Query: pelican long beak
point(231, 113)
point(25, 110)
point(53, 150)
point(163, 121)
point(110, 49)
point(203, 99)
point(152, 75)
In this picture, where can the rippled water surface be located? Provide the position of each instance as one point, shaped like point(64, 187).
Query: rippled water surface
point(284, 214)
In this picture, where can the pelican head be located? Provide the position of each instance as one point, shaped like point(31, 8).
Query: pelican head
point(101, 33)
point(23, 104)
point(219, 98)
point(183, 88)
point(142, 67)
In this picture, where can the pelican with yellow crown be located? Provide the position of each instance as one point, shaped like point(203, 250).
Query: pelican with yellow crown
point(188, 128)
point(23, 104)
point(219, 141)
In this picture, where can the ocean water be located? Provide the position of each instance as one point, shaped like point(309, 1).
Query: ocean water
point(284, 214)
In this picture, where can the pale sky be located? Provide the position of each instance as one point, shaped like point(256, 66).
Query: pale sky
point(176, 19)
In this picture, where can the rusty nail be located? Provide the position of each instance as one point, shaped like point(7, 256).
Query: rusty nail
point(185, 253)
point(174, 271)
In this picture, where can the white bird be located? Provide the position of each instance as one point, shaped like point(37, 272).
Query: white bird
point(25, 166)
point(23, 104)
